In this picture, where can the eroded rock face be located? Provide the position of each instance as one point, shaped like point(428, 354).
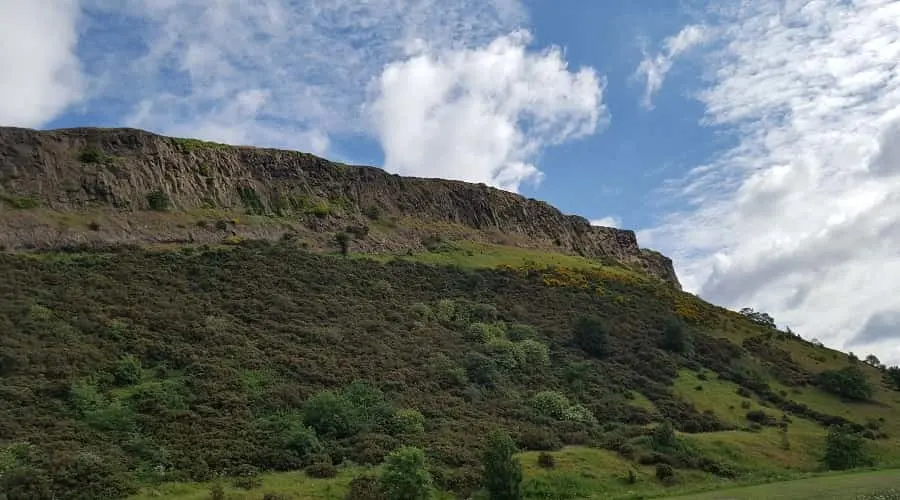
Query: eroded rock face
point(120, 169)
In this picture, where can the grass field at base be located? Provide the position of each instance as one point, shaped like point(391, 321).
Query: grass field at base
point(842, 486)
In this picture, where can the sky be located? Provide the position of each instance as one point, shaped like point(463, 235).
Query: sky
point(757, 143)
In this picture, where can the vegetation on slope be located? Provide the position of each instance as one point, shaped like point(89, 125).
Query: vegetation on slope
point(137, 367)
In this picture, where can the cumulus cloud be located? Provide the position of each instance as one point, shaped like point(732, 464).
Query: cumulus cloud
point(482, 114)
point(41, 75)
point(654, 68)
point(284, 73)
point(800, 218)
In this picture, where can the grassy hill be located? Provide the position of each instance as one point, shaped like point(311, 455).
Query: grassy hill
point(266, 368)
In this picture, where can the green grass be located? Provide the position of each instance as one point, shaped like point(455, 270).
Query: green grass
point(841, 486)
point(20, 202)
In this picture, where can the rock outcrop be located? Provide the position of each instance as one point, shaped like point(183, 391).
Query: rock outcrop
point(130, 171)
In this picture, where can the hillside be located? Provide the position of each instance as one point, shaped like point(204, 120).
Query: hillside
point(135, 362)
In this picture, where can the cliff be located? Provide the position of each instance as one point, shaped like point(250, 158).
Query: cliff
point(139, 182)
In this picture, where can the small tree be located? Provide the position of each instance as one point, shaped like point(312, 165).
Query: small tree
point(849, 382)
point(664, 435)
point(591, 334)
point(502, 471)
point(343, 241)
point(675, 338)
point(873, 360)
point(845, 449)
point(405, 475)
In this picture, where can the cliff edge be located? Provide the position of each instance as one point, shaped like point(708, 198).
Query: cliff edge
point(138, 183)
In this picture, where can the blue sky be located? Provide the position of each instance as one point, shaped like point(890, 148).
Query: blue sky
point(756, 143)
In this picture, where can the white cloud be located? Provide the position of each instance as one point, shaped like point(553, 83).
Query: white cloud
point(608, 221)
point(40, 74)
point(304, 65)
point(802, 218)
point(654, 68)
point(482, 114)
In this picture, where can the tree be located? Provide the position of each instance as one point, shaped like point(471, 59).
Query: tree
point(664, 435)
point(675, 338)
point(502, 470)
point(343, 241)
point(591, 334)
point(845, 449)
point(892, 375)
point(758, 317)
point(406, 476)
point(873, 360)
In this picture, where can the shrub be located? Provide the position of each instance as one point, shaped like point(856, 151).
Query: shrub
point(486, 332)
point(631, 478)
point(321, 470)
point(481, 369)
point(246, 477)
point(364, 488)
point(664, 435)
point(538, 439)
point(372, 212)
point(845, 449)
point(127, 371)
point(405, 475)
point(892, 376)
point(158, 200)
point(330, 414)
point(675, 337)
point(746, 404)
point(591, 334)
point(342, 240)
point(502, 470)
point(409, 421)
point(665, 473)
point(536, 354)
point(760, 417)
point(744, 392)
point(91, 154)
point(546, 460)
point(578, 413)
point(849, 382)
point(551, 404)
point(507, 355)
point(216, 492)
point(517, 332)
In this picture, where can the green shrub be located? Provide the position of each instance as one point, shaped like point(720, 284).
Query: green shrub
point(502, 470)
point(91, 154)
point(546, 460)
point(158, 200)
point(217, 492)
point(365, 488)
point(551, 404)
point(486, 332)
point(321, 470)
point(664, 436)
point(409, 421)
point(578, 413)
point(536, 354)
point(21, 202)
point(675, 337)
point(591, 334)
point(342, 240)
point(845, 449)
point(372, 212)
point(422, 312)
point(481, 369)
point(849, 382)
point(127, 371)
point(330, 414)
point(507, 355)
point(251, 200)
point(246, 477)
point(405, 475)
point(892, 376)
point(665, 473)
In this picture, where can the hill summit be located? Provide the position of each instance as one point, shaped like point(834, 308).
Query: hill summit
point(133, 186)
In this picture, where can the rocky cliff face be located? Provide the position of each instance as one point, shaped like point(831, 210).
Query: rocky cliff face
point(129, 171)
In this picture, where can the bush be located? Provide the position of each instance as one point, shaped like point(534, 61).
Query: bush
point(892, 376)
point(507, 355)
point(665, 473)
point(551, 404)
point(364, 488)
point(343, 242)
point(321, 470)
point(536, 354)
point(481, 369)
point(591, 334)
point(675, 337)
point(127, 371)
point(246, 478)
point(216, 492)
point(517, 332)
point(849, 382)
point(330, 414)
point(486, 332)
point(91, 154)
point(405, 475)
point(502, 470)
point(760, 417)
point(664, 435)
point(546, 460)
point(158, 200)
point(538, 439)
point(845, 449)
point(409, 421)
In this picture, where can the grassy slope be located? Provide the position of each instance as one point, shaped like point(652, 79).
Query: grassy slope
point(254, 307)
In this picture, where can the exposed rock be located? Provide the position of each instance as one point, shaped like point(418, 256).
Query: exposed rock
point(126, 171)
